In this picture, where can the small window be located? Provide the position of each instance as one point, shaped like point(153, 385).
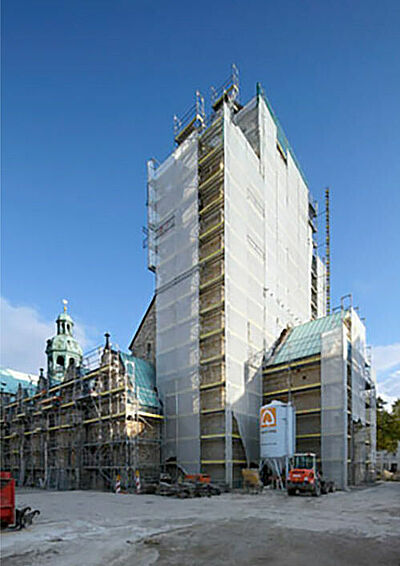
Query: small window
point(148, 349)
point(60, 361)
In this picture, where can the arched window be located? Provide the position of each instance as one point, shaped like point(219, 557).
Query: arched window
point(68, 327)
point(60, 361)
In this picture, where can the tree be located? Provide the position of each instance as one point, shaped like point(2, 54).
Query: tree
point(387, 426)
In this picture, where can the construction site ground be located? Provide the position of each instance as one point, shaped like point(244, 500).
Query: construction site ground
point(86, 528)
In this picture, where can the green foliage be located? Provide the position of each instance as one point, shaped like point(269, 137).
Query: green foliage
point(387, 426)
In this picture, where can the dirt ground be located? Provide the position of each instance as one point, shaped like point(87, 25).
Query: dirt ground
point(357, 528)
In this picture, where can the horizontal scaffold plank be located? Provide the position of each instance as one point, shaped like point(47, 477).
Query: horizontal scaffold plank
point(36, 431)
point(213, 255)
point(210, 131)
point(188, 129)
point(214, 229)
point(220, 435)
point(302, 362)
point(211, 205)
point(212, 333)
point(293, 389)
point(223, 462)
point(210, 283)
point(151, 415)
point(212, 153)
point(308, 411)
point(210, 411)
point(212, 359)
point(212, 385)
point(214, 306)
point(111, 391)
point(216, 177)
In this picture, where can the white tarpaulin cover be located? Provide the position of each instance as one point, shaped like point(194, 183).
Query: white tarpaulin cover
point(174, 186)
point(334, 450)
point(268, 250)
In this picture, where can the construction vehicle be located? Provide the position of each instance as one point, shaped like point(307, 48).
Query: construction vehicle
point(304, 476)
point(10, 517)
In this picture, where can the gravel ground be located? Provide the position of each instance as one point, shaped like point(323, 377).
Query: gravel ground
point(357, 528)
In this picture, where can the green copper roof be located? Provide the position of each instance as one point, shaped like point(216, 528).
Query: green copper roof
point(304, 340)
point(64, 343)
point(10, 379)
point(141, 380)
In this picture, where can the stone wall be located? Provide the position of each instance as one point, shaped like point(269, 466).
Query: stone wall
point(143, 344)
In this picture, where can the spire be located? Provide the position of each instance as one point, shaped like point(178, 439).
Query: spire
point(107, 345)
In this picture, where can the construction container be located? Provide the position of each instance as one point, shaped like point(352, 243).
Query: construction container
point(7, 499)
point(277, 430)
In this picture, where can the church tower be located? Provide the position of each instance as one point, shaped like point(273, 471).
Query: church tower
point(63, 350)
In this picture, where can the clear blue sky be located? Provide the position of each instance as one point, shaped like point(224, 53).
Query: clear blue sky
point(90, 88)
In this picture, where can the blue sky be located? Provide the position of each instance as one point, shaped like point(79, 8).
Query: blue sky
point(89, 93)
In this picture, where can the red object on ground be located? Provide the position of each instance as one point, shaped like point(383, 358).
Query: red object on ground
point(201, 478)
point(300, 475)
point(7, 499)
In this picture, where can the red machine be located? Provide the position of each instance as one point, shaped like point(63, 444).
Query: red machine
point(198, 478)
point(7, 500)
point(304, 476)
point(10, 517)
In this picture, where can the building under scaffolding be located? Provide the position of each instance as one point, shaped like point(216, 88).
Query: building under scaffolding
point(231, 237)
point(91, 420)
point(323, 368)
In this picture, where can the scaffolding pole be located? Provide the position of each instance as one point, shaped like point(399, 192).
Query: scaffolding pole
point(327, 252)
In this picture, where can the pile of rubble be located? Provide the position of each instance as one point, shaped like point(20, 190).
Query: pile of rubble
point(197, 485)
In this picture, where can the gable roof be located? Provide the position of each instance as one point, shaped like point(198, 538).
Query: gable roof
point(304, 340)
point(139, 328)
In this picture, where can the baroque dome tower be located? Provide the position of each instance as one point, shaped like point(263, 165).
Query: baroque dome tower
point(63, 350)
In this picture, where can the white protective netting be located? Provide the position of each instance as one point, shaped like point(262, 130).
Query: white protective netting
point(334, 445)
point(244, 282)
point(358, 374)
point(371, 420)
point(372, 454)
point(174, 189)
point(358, 399)
point(321, 287)
point(288, 235)
point(268, 251)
